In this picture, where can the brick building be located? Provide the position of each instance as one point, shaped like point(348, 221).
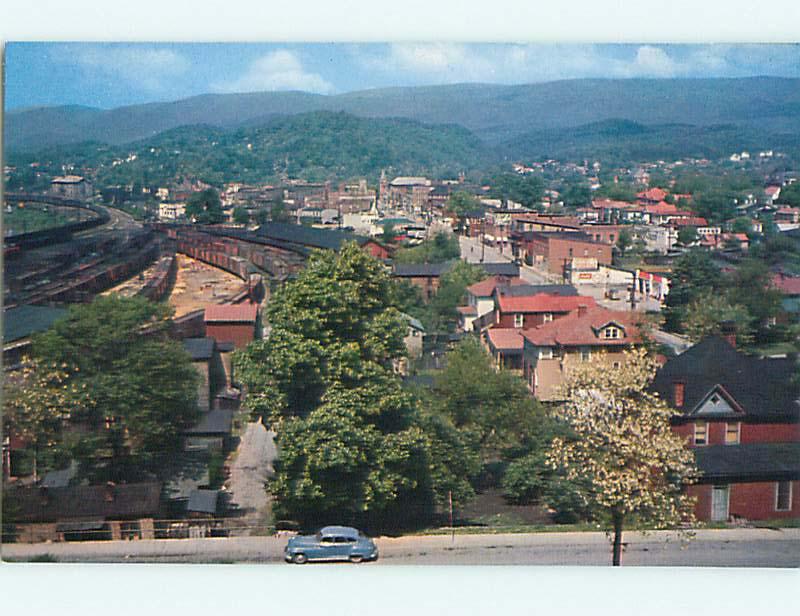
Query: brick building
point(557, 249)
point(426, 276)
point(234, 323)
point(741, 416)
point(531, 311)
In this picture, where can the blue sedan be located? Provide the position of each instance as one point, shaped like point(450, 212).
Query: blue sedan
point(331, 543)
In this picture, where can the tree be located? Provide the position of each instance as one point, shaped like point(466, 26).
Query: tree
point(38, 402)
point(442, 247)
point(706, 314)
point(462, 203)
point(205, 207)
point(348, 434)
point(687, 236)
point(262, 216)
point(694, 273)
point(240, 215)
point(278, 212)
point(624, 241)
point(453, 285)
point(633, 464)
point(524, 189)
point(143, 385)
point(388, 235)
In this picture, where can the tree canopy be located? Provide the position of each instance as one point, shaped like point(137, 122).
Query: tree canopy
point(143, 388)
point(631, 462)
point(205, 207)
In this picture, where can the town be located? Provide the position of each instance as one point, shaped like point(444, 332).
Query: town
point(380, 326)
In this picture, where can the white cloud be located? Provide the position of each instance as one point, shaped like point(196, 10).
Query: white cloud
point(654, 62)
point(146, 67)
point(277, 70)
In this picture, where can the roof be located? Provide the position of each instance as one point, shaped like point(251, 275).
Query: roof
point(184, 472)
point(415, 323)
point(467, 311)
point(23, 321)
point(199, 349)
point(328, 239)
point(203, 501)
point(344, 531)
point(410, 181)
point(542, 302)
point(503, 268)
point(761, 387)
point(427, 270)
point(216, 421)
point(518, 290)
point(232, 313)
point(505, 339)
point(661, 208)
point(486, 287)
point(751, 461)
point(577, 329)
point(60, 479)
point(788, 285)
point(126, 500)
point(67, 179)
point(653, 194)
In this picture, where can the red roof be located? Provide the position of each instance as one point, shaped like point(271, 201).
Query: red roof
point(505, 339)
point(662, 208)
point(239, 313)
point(485, 288)
point(772, 190)
point(692, 221)
point(577, 329)
point(653, 194)
point(542, 302)
point(788, 285)
point(612, 203)
point(467, 311)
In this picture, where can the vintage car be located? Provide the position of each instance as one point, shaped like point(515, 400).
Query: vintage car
point(331, 543)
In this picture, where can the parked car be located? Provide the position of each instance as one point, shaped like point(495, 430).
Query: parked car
point(331, 543)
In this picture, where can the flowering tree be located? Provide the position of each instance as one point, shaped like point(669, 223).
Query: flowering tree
point(39, 401)
point(623, 449)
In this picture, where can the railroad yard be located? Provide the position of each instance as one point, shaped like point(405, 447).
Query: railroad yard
point(198, 285)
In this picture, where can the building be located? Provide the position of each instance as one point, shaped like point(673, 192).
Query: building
point(505, 345)
point(426, 276)
point(408, 193)
point(22, 322)
point(741, 416)
point(531, 311)
point(206, 361)
point(234, 323)
point(590, 333)
point(557, 249)
point(171, 211)
point(71, 187)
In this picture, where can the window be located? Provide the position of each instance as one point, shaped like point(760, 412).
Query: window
point(546, 353)
point(616, 365)
point(548, 316)
point(732, 431)
point(586, 354)
point(701, 433)
point(611, 333)
point(783, 496)
point(518, 320)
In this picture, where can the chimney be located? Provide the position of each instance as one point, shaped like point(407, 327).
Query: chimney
point(582, 310)
point(728, 331)
point(678, 391)
point(110, 491)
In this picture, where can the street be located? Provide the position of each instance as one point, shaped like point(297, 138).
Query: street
point(471, 251)
point(710, 548)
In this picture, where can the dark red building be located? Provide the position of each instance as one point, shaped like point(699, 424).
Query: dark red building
point(234, 323)
point(741, 416)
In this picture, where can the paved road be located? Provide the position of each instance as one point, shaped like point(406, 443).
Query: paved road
point(717, 548)
point(252, 467)
point(471, 252)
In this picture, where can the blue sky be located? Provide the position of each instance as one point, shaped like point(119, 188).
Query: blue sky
point(109, 75)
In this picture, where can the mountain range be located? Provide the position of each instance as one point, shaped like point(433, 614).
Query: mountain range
point(501, 116)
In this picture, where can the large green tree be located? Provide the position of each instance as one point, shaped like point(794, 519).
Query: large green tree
point(205, 207)
point(143, 385)
point(694, 273)
point(350, 438)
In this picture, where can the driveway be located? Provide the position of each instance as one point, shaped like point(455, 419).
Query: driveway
point(251, 469)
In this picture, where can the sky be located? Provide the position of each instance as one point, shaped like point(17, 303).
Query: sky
point(107, 75)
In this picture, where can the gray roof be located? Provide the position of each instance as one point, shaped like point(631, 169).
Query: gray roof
point(61, 478)
point(217, 421)
point(186, 471)
point(203, 501)
point(310, 237)
point(502, 268)
point(23, 321)
point(426, 270)
point(751, 462)
point(763, 388)
point(199, 349)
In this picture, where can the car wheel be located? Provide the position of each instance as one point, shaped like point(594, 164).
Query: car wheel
point(356, 558)
point(299, 559)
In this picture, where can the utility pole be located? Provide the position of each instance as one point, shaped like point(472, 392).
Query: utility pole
point(452, 528)
point(483, 238)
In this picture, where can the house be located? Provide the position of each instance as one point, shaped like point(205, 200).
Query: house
point(71, 187)
point(171, 211)
point(505, 345)
point(426, 276)
point(741, 416)
point(530, 311)
point(480, 301)
point(83, 512)
point(206, 361)
point(211, 432)
point(504, 270)
point(787, 215)
point(590, 333)
point(651, 196)
point(235, 323)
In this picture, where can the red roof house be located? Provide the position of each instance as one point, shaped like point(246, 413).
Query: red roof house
point(234, 323)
